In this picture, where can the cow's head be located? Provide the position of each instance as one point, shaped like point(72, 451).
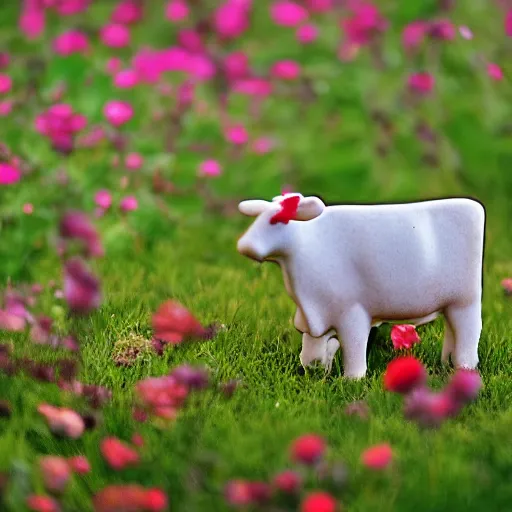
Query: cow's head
point(269, 234)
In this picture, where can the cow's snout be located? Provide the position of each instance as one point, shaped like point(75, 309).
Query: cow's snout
point(246, 248)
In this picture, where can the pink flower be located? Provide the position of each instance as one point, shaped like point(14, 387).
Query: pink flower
point(4, 60)
point(28, 209)
point(506, 283)
point(32, 19)
point(308, 449)
point(115, 35)
point(320, 5)
point(414, 34)
point(230, 20)
point(377, 457)
point(464, 386)
point(114, 65)
point(176, 10)
point(79, 465)
point(238, 493)
point(236, 65)
point(130, 497)
point(236, 134)
point(288, 14)
point(76, 225)
point(465, 32)
point(103, 199)
point(9, 174)
point(127, 12)
point(494, 71)
point(6, 107)
point(56, 473)
point(263, 145)
point(81, 288)
point(126, 79)
point(404, 336)
point(421, 83)
point(258, 87)
point(286, 70)
point(429, 409)
point(210, 168)
point(508, 23)
point(307, 34)
point(118, 454)
point(128, 204)
point(118, 113)
point(318, 501)
point(5, 83)
point(133, 161)
point(71, 7)
point(72, 41)
point(190, 40)
point(442, 29)
point(365, 22)
point(38, 503)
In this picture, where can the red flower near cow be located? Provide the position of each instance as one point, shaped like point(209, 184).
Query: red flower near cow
point(118, 454)
point(403, 374)
point(318, 502)
point(404, 336)
point(378, 456)
point(173, 323)
point(288, 212)
point(308, 449)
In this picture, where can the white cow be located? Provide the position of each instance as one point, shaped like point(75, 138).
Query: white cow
point(348, 268)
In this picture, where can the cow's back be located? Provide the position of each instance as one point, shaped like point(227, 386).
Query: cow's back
point(403, 259)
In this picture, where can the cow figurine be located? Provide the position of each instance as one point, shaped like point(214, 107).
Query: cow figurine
point(351, 267)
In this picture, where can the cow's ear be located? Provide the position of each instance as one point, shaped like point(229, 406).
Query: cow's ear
point(253, 207)
point(309, 208)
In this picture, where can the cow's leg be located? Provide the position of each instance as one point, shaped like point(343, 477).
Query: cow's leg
point(322, 349)
point(448, 342)
point(353, 331)
point(466, 323)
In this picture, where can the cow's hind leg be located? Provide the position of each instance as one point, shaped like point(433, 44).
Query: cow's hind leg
point(466, 324)
point(353, 330)
point(448, 342)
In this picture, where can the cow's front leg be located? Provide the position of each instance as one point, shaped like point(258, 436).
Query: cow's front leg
point(353, 331)
point(321, 349)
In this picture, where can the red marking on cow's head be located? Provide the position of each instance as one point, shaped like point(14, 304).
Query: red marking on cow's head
point(288, 212)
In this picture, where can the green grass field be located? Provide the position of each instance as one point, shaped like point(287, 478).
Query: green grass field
point(335, 146)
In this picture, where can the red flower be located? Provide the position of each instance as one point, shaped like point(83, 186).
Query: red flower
point(118, 454)
point(42, 504)
point(56, 473)
point(173, 323)
point(404, 374)
point(288, 482)
point(308, 449)
point(404, 336)
point(377, 457)
point(238, 493)
point(129, 498)
point(288, 212)
point(79, 464)
point(318, 502)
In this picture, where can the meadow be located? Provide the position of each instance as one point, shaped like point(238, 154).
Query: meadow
point(173, 113)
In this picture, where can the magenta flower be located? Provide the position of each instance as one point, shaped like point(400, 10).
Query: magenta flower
point(319, 6)
point(365, 22)
point(414, 34)
point(421, 83)
point(443, 30)
point(404, 336)
point(190, 40)
point(257, 87)
point(32, 20)
point(114, 65)
point(72, 41)
point(4, 60)
point(9, 174)
point(464, 386)
point(288, 14)
point(126, 79)
point(307, 33)
point(176, 10)
point(236, 134)
point(76, 225)
point(118, 113)
point(210, 168)
point(236, 65)
point(70, 7)
point(128, 204)
point(263, 145)
point(288, 482)
point(230, 20)
point(103, 199)
point(494, 71)
point(115, 35)
point(286, 70)
point(81, 288)
point(5, 83)
point(508, 23)
point(133, 161)
point(127, 12)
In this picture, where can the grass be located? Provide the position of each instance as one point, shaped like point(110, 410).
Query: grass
point(328, 147)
